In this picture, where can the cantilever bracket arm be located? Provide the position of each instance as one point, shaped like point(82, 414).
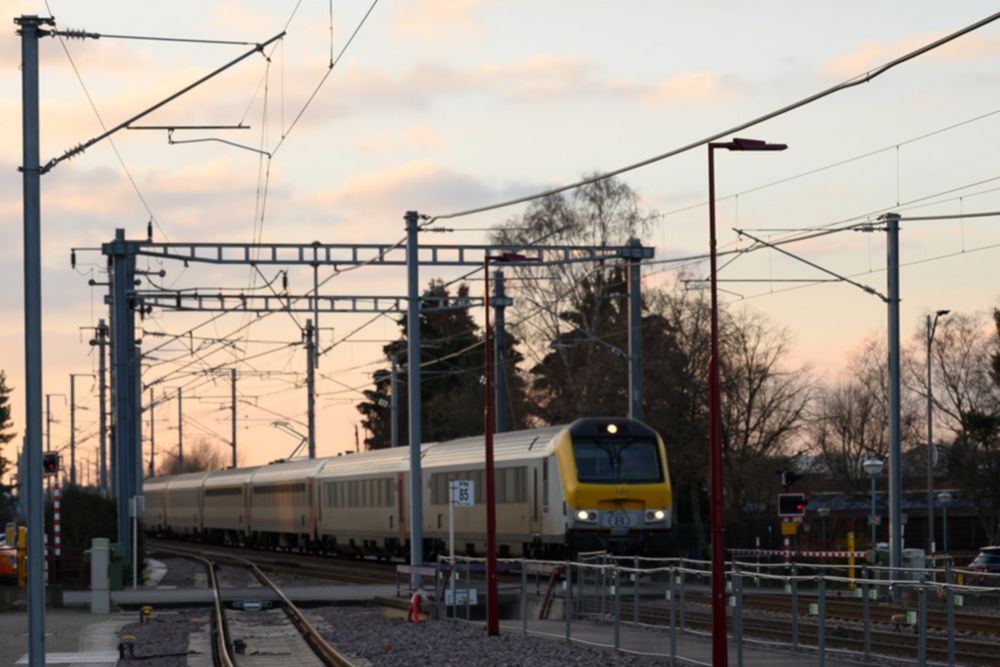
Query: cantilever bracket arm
point(865, 288)
point(76, 150)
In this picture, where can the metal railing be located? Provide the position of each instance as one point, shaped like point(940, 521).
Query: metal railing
point(661, 606)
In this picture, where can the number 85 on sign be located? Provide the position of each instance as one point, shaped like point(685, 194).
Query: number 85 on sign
point(462, 493)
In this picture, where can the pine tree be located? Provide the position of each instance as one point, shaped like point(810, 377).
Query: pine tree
point(452, 392)
point(6, 425)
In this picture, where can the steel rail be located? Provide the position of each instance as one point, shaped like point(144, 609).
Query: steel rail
point(327, 653)
point(220, 655)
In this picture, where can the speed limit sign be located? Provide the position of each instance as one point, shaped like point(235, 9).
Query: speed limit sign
point(462, 493)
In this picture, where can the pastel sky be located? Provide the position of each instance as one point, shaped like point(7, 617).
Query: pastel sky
point(442, 105)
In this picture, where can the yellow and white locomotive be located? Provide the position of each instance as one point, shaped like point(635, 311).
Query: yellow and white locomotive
point(598, 483)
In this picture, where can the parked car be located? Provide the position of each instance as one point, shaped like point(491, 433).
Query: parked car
point(987, 564)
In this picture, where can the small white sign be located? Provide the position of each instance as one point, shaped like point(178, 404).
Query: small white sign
point(460, 596)
point(462, 493)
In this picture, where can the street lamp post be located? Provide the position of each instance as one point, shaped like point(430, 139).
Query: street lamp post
point(492, 599)
point(944, 498)
point(873, 466)
point(931, 326)
point(823, 512)
point(720, 655)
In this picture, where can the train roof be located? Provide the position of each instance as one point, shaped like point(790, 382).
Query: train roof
point(511, 446)
point(230, 476)
point(291, 470)
point(375, 462)
point(189, 480)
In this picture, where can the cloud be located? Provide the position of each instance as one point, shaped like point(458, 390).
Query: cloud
point(417, 137)
point(700, 86)
point(434, 19)
point(868, 56)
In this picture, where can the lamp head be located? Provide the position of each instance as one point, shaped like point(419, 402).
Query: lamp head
point(944, 497)
point(941, 313)
point(739, 144)
point(873, 466)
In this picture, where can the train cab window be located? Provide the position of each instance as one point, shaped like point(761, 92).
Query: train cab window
point(618, 461)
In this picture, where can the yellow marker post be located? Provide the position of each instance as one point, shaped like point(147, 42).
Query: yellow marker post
point(22, 569)
point(850, 559)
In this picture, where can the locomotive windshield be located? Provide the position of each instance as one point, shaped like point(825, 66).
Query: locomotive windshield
point(618, 461)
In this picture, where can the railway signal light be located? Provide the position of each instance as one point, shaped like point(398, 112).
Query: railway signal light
point(50, 463)
point(791, 504)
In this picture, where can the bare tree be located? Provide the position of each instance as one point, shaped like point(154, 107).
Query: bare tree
point(975, 455)
point(603, 213)
point(764, 405)
point(961, 370)
point(202, 456)
point(850, 421)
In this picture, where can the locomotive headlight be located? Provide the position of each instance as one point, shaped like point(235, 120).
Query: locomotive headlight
point(612, 428)
point(582, 515)
point(660, 515)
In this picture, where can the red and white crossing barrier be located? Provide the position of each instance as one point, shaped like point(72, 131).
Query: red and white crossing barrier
point(56, 517)
point(800, 554)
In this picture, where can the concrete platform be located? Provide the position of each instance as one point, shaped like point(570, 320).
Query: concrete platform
point(691, 649)
point(72, 637)
point(189, 596)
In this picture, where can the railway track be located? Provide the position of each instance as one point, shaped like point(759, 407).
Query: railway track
point(224, 646)
point(884, 641)
point(965, 622)
point(319, 567)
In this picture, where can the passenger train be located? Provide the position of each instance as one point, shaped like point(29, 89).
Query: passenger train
point(598, 483)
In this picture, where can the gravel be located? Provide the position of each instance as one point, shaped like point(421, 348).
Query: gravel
point(390, 642)
point(235, 576)
point(183, 573)
point(163, 641)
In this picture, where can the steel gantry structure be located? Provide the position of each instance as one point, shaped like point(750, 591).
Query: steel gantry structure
point(125, 301)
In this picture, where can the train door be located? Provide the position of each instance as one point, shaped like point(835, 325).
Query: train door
point(315, 508)
point(535, 511)
point(402, 519)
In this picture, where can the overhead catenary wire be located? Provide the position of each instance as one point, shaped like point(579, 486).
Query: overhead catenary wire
point(862, 78)
point(114, 147)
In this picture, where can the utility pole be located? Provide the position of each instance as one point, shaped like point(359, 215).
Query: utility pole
point(311, 386)
point(895, 463)
point(48, 422)
point(413, 393)
point(100, 340)
point(125, 386)
point(394, 402)
point(180, 431)
point(635, 332)
point(500, 302)
point(30, 30)
point(72, 425)
point(232, 380)
point(152, 434)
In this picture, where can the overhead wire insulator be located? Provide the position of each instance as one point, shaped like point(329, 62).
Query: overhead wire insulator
point(70, 33)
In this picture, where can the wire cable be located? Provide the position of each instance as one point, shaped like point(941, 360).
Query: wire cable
point(849, 83)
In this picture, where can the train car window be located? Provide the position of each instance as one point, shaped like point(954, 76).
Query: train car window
point(501, 486)
point(617, 461)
